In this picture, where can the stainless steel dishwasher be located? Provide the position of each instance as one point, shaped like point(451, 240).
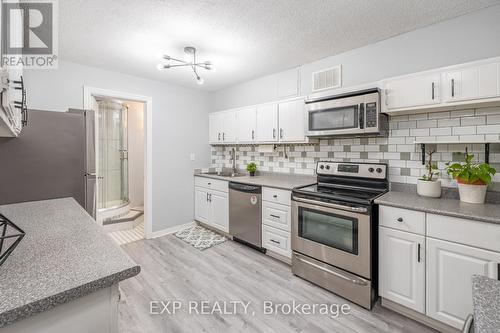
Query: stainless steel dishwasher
point(245, 214)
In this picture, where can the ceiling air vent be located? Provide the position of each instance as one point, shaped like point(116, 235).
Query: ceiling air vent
point(327, 78)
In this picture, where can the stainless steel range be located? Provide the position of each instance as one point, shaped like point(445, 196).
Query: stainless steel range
point(334, 229)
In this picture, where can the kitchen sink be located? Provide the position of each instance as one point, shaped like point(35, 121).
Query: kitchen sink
point(226, 174)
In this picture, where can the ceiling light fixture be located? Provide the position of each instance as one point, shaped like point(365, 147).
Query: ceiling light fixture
point(190, 56)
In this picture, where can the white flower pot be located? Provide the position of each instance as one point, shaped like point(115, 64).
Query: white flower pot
point(472, 193)
point(430, 189)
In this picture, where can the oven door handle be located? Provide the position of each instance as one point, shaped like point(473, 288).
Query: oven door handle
point(357, 281)
point(331, 205)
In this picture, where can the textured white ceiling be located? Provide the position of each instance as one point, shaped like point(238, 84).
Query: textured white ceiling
point(244, 38)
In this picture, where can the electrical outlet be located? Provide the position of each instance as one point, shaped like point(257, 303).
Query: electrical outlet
point(192, 156)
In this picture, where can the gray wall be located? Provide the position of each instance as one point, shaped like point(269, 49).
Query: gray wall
point(466, 38)
point(175, 109)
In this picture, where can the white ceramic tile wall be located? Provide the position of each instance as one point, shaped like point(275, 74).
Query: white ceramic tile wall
point(398, 150)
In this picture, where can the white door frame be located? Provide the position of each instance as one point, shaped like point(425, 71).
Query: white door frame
point(88, 93)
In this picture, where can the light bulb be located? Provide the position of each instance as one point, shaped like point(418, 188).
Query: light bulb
point(160, 67)
point(209, 66)
point(199, 80)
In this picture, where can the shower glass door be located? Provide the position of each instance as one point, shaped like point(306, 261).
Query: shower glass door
point(112, 155)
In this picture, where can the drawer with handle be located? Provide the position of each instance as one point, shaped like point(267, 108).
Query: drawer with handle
point(213, 184)
point(276, 240)
point(276, 195)
point(276, 215)
point(402, 219)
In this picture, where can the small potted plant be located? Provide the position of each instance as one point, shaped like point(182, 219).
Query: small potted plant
point(251, 168)
point(472, 178)
point(429, 185)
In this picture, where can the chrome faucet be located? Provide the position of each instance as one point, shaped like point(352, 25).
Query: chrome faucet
point(233, 159)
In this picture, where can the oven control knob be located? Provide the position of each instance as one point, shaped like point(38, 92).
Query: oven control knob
point(327, 167)
point(321, 166)
point(371, 169)
point(379, 170)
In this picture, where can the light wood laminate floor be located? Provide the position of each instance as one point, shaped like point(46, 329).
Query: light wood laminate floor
point(174, 270)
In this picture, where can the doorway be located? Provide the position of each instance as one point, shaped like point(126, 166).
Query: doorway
point(123, 158)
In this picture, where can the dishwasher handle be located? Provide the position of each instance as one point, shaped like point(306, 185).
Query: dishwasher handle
point(245, 188)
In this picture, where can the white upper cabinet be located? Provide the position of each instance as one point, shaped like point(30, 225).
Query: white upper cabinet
point(222, 127)
point(229, 127)
point(472, 82)
point(246, 125)
point(215, 128)
point(292, 121)
point(267, 123)
point(402, 268)
point(412, 91)
point(465, 85)
point(450, 267)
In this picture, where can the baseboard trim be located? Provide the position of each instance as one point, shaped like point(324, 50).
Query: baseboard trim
point(171, 230)
point(417, 316)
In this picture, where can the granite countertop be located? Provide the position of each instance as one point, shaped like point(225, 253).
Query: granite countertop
point(64, 255)
point(486, 300)
point(443, 206)
point(277, 180)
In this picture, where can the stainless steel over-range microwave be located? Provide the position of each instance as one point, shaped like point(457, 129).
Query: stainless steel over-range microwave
point(356, 113)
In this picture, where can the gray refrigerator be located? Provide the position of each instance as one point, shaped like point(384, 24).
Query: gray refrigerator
point(53, 157)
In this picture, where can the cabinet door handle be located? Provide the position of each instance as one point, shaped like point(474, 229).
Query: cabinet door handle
point(274, 133)
point(210, 197)
point(400, 219)
point(253, 134)
point(218, 137)
point(207, 197)
point(452, 87)
point(275, 241)
point(275, 196)
point(275, 216)
point(433, 85)
point(418, 252)
point(223, 136)
point(281, 133)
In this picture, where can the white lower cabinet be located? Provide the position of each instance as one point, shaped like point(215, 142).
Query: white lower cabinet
point(450, 267)
point(276, 221)
point(276, 240)
point(219, 210)
point(277, 216)
point(211, 203)
point(201, 206)
point(402, 268)
point(429, 268)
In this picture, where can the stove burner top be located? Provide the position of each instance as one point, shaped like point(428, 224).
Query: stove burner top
point(365, 196)
point(349, 182)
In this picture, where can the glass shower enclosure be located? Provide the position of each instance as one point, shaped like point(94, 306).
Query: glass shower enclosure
point(112, 155)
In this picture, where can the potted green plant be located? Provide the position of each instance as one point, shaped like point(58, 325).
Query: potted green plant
point(251, 168)
point(472, 178)
point(429, 185)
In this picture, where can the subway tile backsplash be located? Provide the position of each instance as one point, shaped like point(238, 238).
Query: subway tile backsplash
point(398, 150)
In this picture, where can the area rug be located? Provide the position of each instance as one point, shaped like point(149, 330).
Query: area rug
point(199, 237)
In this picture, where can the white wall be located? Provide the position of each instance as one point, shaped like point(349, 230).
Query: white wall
point(136, 153)
point(180, 127)
point(465, 38)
